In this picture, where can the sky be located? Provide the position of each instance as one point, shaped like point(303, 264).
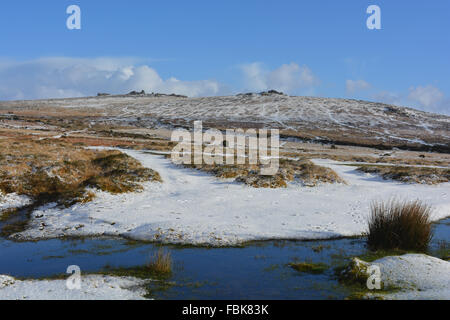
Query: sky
point(221, 47)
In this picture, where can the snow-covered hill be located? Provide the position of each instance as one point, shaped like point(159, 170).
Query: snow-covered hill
point(322, 119)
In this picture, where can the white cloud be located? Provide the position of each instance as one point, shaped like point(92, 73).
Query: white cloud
point(73, 77)
point(353, 86)
point(428, 97)
point(289, 78)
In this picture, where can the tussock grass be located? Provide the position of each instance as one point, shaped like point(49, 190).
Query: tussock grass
point(310, 174)
point(56, 171)
point(422, 175)
point(161, 263)
point(303, 171)
point(399, 225)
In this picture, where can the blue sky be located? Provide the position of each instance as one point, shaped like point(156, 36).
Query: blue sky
point(212, 47)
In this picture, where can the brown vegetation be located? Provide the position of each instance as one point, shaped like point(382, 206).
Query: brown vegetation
point(397, 225)
point(422, 175)
point(303, 171)
point(161, 263)
point(53, 170)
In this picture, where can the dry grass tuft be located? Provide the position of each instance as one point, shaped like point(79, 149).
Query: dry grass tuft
point(397, 225)
point(161, 263)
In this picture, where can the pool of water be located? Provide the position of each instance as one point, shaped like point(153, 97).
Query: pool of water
point(257, 271)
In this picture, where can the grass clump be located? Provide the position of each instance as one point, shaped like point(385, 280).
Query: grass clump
point(397, 225)
point(309, 267)
point(303, 171)
point(56, 171)
point(160, 263)
point(409, 174)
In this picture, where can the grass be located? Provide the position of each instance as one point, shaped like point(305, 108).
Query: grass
point(303, 171)
point(309, 267)
point(397, 225)
point(422, 175)
point(443, 251)
point(56, 171)
point(161, 263)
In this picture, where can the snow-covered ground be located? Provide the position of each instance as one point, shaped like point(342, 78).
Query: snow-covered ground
point(416, 276)
point(191, 207)
point(93, 287)
point(12, 200)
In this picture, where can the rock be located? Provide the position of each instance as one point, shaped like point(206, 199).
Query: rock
point(135, 93)
point(272, 92)
point(356, 271)
point(411, 276)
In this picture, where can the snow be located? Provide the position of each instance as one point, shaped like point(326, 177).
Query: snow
point(191, 207)
point(93, 287)
point(12, 200)
point(417, 276)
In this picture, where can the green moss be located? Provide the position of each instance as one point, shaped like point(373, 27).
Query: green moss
point(271, 268)
point(141, 272)
point(309, 267)
point(354, 277)
point(371, 256)
point(363, 295)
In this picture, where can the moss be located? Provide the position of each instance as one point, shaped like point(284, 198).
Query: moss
point(354, 273)
point(140, 272)
point(309, 267)
point(371, 256)
point(271, 268)
point(364, 295)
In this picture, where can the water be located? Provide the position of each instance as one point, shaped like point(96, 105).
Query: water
point(256, 271)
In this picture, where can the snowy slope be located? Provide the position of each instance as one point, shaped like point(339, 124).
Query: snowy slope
point(317, 118)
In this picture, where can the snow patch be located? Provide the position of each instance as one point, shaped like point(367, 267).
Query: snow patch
point(417, 275)
point(12, 200)
point(93, 287)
